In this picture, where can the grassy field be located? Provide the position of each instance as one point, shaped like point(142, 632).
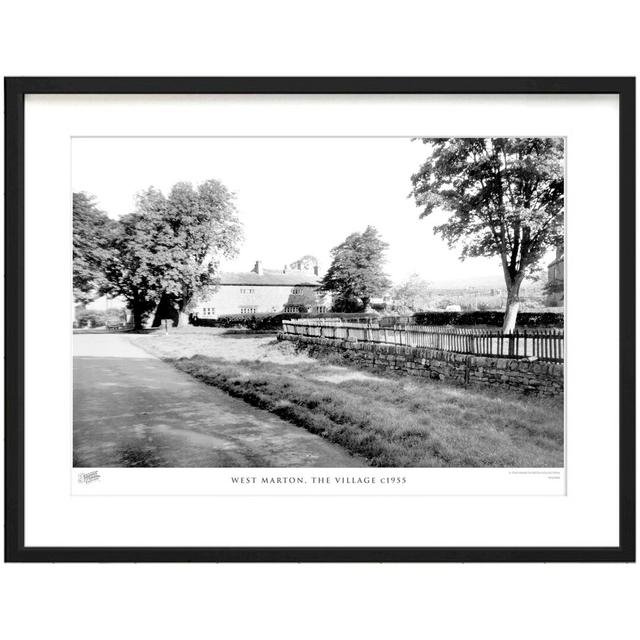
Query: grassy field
point(390, 420)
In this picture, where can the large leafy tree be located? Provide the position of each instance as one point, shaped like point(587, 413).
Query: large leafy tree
point(128, 271)
point(92, 237)
point(356, 273)
point(197, 227)
point(504, 196)
point(171, 247)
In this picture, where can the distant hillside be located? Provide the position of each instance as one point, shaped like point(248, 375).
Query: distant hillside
point(483, 282)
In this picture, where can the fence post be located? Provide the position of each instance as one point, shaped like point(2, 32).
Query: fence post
point(471, 347)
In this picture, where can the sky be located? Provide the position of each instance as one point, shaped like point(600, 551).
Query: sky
point(294, 196)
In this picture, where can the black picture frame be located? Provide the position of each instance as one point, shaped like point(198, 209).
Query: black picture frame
point(15, 91)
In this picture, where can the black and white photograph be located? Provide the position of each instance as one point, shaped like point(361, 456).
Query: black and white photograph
point(318, 302)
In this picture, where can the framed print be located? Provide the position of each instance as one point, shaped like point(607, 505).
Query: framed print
point(320, 319)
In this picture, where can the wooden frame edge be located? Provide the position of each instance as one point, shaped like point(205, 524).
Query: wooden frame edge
point(15, 91)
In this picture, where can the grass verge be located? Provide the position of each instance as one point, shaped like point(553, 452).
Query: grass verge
point(395, 423)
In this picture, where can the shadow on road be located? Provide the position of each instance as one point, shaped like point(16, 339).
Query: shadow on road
point(133, 411)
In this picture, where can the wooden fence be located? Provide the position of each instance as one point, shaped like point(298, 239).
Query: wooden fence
point(547, 345)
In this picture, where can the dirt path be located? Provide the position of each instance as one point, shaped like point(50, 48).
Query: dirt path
point(132, 409)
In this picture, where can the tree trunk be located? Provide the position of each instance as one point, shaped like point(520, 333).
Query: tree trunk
point(182, 319)
point(513, 305)
point(166, 310)
point(138, 318)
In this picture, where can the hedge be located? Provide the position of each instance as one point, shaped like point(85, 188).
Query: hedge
point(271, 321)
point(526, 319)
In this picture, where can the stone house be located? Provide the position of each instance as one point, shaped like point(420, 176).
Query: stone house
point(264, 291)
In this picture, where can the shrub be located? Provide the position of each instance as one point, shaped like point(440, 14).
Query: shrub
point(256, 321)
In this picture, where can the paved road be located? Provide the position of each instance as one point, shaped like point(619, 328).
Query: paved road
point(132, 409)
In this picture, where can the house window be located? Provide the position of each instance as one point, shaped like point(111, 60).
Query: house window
point(296, 292)
point(321, 309)
point(247, 290)
point(247, 310)
point(208, 311)
point(291, 309)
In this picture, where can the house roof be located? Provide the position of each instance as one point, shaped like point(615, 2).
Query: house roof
point(270, 277)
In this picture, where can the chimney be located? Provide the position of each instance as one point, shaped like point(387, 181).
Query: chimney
point(284, 269)
point(258, 268)
point(315, 270)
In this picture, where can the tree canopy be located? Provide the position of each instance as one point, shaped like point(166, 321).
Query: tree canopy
point(127, 270)
point(504, 196)
point(169, 249)
point(192, 230)
point(306, 263)
point(356, 271)
point(92, 233)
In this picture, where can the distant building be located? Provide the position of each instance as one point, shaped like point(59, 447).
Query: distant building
point(555, 281)
point(265, 291)
point(381, 302)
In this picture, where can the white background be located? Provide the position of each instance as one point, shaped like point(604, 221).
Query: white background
point(332, 38)
point(586, 516)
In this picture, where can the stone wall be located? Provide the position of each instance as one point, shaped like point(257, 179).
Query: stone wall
point(525, 376)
